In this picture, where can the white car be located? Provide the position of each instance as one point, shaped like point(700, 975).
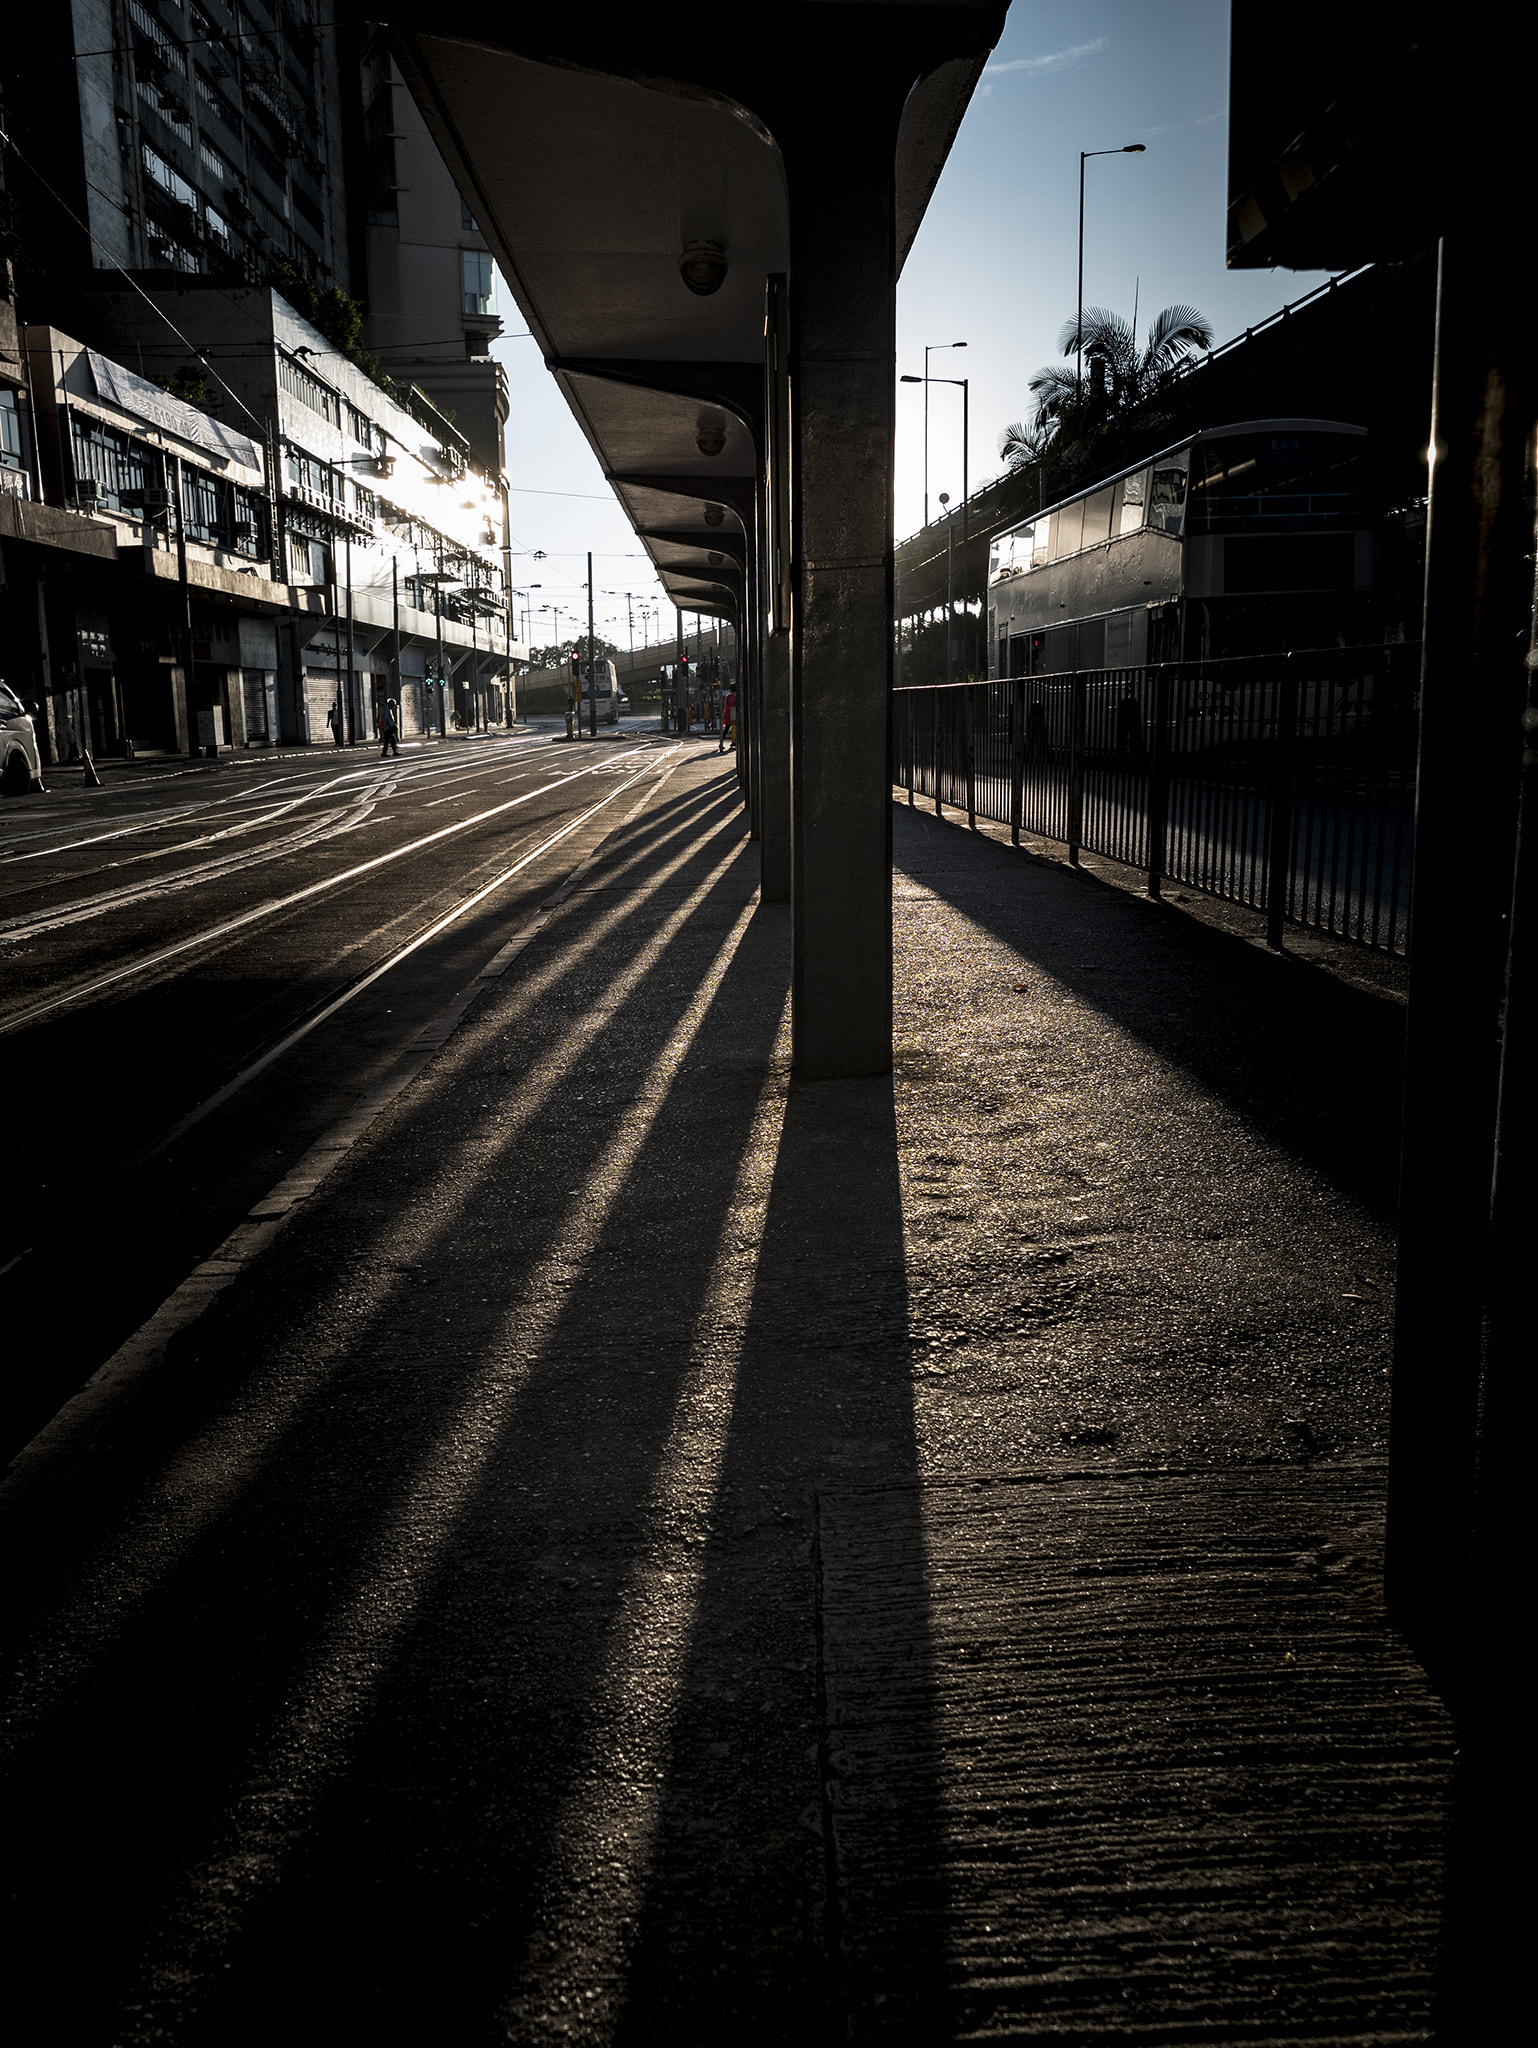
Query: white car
point(21, 766)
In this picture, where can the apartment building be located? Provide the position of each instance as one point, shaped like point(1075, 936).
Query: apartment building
point(428, 279)
point(377, 504)
point(190, 137)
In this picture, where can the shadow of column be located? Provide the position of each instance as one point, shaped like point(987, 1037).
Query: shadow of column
point(743, 1930)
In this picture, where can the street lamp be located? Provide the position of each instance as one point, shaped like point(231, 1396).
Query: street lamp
point(933, 349)
point(1127, 149)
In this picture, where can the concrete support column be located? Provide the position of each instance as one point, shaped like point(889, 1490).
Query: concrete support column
point(774, 830)
point(842, 349)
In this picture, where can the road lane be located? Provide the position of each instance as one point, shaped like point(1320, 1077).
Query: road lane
point(302, 995)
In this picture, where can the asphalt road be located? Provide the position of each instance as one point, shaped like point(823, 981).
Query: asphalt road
point(162, 937)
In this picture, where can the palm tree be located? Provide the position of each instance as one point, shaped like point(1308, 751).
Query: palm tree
point(1025, 445)
point(1121, 377)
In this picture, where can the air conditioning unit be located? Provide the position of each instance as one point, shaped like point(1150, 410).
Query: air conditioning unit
point(87, 490)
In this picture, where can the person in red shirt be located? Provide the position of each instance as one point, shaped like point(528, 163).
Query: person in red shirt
point(728, 722)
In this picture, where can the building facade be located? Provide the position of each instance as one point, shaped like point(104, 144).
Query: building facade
point(429, 281)
point(174, 580)
point(192, 139)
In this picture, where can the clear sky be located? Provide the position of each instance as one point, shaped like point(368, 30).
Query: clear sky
point(993, 265)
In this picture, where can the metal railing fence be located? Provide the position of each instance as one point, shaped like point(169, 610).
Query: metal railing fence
point(1282, 782)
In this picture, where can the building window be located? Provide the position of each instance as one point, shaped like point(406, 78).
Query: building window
point(467, 219)
point(249, 532)
point(164, 103)
point(480, 293)
point(163, 46)
point(10, 430)
point(107, 459)
point(204, 506)
point(310, 390)
point(309, 474)
point(167, 179)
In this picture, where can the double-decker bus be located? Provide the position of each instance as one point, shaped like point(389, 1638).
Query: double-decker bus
point(1248, 539)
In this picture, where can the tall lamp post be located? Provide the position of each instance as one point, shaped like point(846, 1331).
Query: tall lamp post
point(1127, 149)
point(966, 432)
point(933, 349)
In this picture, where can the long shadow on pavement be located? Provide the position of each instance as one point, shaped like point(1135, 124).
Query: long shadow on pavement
point(181, 1774)
point(1312, 1063)
point(742, 1935)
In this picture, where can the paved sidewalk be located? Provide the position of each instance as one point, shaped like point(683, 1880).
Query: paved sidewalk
point(456, 1642)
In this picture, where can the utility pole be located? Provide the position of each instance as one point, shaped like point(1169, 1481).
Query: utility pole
point(1127, 149)
point(354, 708)
point(395, 665)
point(443, 730)
point(592, 659)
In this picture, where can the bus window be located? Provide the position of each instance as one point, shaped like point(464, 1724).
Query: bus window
point(1262, 482)
point(1041, 546)
point(1099, 516)
point(1133, 491)
point(1068, 530)
point(1167, 499)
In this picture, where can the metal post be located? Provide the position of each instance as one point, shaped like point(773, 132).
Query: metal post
point(395, 659)
point(186, 603)
point(592, 659)
point(1283, 772)
point(934, 698)
point(969, 742)
point(950, 589)
point(443, 726)
point(1158, 780)
point(354, 707)
point(1078, 332)
point(1078, 706)
point(1016, 759)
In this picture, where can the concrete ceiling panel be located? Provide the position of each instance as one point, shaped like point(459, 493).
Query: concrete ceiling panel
point(589, 188)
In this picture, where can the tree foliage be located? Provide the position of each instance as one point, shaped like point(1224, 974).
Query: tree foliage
point(1079, 419)
point(338, 317)
point(558, 654)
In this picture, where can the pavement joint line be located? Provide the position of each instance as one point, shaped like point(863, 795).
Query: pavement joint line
point(56, 1449)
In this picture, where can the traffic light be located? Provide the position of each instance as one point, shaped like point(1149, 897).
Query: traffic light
point(683, 668)
point(575, 659)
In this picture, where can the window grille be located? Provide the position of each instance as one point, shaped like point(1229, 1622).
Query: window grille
point(106, 458)
point(310, 390)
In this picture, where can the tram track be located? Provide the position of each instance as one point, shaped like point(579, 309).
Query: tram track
point(231, 1051)
point(43, 922)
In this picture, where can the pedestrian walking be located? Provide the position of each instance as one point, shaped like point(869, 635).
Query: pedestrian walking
point(336, 722)
point(389, 729)
point(728, 722)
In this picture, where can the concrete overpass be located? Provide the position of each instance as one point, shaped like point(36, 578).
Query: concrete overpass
point(702, 217)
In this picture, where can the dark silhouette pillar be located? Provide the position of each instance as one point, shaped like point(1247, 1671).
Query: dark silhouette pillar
point(840, 167)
